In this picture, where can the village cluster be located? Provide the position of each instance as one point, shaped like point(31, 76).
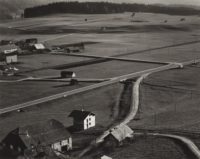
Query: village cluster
point(51, 136)
point(10, 50)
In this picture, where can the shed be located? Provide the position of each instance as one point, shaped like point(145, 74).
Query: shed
point(39, 46)
point(67, 74)
point(121, 132)
point(48, 134)
point(82, 119)
point(105, 157)
point(32, 41)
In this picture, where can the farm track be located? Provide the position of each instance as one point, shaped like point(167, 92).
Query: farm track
point(99, 59)
point(130, 115)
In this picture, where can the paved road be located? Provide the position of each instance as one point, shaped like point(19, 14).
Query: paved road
point(87, 88)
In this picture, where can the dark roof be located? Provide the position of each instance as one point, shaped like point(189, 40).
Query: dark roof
point(80, 114)
point(46, 133)
point(8, 47)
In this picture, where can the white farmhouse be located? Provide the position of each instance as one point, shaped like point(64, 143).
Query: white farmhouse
point(82, 120)
point(9, 53)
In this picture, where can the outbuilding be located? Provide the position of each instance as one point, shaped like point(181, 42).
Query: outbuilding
point(31, 41)
point(67, 74)
point(105, 157)
point(82, 119)
point(49, 134)
point(119, 133)
point(39, 46)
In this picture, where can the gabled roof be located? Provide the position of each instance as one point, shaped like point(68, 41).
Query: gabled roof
point(8, 47)
point(46, 133)
point(39, 46)
point(121, 132)
point(105, 157)
point(80, 114)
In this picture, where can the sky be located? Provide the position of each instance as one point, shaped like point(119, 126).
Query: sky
point(185, 2)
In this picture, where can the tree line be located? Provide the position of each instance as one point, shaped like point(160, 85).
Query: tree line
point(104, 8)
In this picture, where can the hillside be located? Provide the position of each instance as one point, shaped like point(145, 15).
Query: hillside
point(9, 8)
point(106, 8)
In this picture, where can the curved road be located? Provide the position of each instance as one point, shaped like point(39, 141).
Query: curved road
point(133, 111)
point(192, 147)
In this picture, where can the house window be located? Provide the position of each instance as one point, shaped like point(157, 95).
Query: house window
point(11, 147)
point(19, 149)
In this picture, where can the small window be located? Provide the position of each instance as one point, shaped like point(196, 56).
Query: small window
point(19, 149)
point(11, 147)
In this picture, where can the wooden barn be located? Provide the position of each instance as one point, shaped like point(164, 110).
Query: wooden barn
point(49, 134)
point(118, 134)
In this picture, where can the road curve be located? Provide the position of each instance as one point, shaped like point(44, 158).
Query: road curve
point(132, 113)
point(194, 149)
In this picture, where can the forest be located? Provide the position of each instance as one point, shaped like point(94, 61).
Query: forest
point(105, 8)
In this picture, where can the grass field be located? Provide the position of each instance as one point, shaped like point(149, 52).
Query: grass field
point(145, 148)
point(169, 99)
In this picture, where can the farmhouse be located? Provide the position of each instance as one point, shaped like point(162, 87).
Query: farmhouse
point(49, 134)
point(82, 120)
point(9, 53)
point(69, 48)
point(31, 41)
point(119, 133)
point(67, 74)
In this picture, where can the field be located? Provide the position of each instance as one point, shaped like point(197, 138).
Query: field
point(169, 99)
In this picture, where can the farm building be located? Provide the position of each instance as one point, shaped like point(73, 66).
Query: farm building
point(9, 53)
point(105, 157)
point(31, 41)
point(70, 48)
point(39, 46)
point(67, 74)
point(119, 133)
point(49, 134)
point(7, 70)
point(82, 120)
point(6, 42)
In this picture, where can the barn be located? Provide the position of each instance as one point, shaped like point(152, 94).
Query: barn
point(48, 134)
point(118, 134)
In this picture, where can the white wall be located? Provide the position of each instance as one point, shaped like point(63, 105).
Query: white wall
point(11, 59)
point(89, 122)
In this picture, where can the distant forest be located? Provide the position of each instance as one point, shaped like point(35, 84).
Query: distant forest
point(104, 8)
